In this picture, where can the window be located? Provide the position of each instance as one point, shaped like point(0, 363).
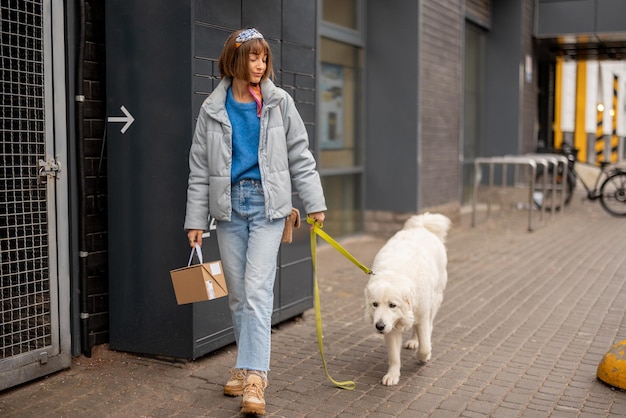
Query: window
point(339, 118)
point(340, 12)
point(340, 103)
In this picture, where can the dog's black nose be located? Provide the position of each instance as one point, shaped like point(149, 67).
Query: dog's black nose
point(380, 326)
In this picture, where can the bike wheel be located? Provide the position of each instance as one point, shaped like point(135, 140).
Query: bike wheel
point(613, 194)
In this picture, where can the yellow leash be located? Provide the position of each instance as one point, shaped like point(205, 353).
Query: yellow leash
point(317, 230)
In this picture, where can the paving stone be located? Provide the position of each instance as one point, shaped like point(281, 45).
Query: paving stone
point(525, 320)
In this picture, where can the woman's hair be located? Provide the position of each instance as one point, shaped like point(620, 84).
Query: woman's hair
point(233, 61)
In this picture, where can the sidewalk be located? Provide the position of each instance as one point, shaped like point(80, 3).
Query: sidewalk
point(526, 319)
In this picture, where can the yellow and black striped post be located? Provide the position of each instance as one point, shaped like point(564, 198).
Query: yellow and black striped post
point(600, 134)
point(580, 133)
point(558, 105)
point(614, 138)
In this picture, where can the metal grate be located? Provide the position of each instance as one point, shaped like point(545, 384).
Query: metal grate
point(25, 280)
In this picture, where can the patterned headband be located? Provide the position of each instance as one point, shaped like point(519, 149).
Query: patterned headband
point(247, 35)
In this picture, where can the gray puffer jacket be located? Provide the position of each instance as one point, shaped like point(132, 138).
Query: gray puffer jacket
point(284, 159)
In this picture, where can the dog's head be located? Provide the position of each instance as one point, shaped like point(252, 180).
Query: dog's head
point(388, 307)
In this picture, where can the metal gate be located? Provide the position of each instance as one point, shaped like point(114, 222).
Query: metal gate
point(34, 331)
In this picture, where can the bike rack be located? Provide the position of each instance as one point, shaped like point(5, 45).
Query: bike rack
point(555, 161)
point(530, 162)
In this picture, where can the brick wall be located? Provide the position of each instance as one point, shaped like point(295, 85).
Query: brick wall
point(95, 171)
point(479, 12)
point(440, 59)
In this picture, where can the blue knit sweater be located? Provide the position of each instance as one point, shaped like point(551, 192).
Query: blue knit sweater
point(246, 129)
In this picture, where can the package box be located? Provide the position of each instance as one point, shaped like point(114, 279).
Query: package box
point(199, 282)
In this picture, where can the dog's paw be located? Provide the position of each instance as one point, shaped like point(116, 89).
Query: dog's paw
point(411, 344)
point(423, 357)
point(391, 379)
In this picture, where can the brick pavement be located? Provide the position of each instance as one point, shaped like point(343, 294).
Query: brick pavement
point(525, 321)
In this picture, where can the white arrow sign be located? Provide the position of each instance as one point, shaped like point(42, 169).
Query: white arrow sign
point(128, 119)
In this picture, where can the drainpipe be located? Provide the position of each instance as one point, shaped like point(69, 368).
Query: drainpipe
point(82, 185)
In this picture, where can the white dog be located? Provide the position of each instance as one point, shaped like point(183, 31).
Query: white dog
point(406, 288)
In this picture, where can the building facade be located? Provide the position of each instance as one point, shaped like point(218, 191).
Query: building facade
point(398, 99)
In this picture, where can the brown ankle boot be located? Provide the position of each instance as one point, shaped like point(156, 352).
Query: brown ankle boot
point(253, 394)
point(234, 386)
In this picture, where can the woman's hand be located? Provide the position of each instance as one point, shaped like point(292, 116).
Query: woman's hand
point(195, 235)
point(319, 218)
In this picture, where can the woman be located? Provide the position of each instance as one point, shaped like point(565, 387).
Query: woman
point(249, 147)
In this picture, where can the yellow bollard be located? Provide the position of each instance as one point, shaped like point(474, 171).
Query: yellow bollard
point(612, 368)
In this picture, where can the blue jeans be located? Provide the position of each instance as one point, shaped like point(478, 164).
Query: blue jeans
point(249, 246)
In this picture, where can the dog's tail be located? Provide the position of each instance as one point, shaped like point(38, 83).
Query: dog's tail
point(436, 223)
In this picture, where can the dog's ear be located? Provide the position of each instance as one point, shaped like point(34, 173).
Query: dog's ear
point(368, 297)
point(407, 319)
point(407, 300)
point(368, 305)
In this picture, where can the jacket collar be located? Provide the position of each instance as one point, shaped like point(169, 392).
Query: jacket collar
point(215, 103)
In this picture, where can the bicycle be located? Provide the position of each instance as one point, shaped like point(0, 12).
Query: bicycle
point(611, 181)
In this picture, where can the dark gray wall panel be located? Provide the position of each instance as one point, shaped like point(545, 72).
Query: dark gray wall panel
point(565, 17)
point(208, 42)
point(307, 111)
point(265, 15)
point(161, 65)
point(580, 17)
point(299, 23)
point(502, 80)
point(219, 13)
point(305, 82)
point(147, 170)
point(298, 59)
point(391, 106)
point(611, 16)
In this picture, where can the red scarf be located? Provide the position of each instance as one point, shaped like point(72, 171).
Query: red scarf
point(255, 91)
